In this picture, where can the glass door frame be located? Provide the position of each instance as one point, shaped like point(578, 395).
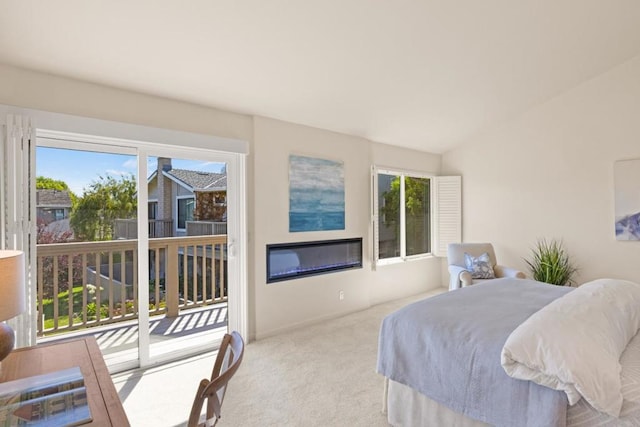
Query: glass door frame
point(236, 246)
point(236, 228)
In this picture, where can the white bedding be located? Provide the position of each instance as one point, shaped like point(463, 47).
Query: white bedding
point(585, 343)
point(574, 344)
point(407, 407)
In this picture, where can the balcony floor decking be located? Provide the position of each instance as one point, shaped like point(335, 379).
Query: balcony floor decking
point(195, 327)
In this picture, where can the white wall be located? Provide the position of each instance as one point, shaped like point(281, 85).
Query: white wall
point(40, 91)
point(549, 174)
point(282, 305)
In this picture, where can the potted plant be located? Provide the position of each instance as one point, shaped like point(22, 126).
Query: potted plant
point(551, 264)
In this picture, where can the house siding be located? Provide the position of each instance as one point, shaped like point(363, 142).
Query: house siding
point(210, 206)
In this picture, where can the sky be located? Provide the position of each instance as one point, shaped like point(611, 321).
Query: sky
point(80, 168)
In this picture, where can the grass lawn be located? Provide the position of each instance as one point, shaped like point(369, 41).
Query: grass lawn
point(63, 307)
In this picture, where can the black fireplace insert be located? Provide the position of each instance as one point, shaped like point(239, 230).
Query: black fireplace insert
point(287, 261)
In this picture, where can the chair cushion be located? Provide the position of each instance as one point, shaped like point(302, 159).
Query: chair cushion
point(480, 267)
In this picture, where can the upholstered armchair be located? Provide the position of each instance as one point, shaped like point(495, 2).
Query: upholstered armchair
point(483, 259)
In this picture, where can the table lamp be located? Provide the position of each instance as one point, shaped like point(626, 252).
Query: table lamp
point(12, 301)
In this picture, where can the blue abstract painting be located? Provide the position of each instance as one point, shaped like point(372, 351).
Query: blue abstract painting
point(316, 194)
point(627, 199)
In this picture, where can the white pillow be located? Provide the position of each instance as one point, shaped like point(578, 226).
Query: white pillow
point(574, 343)
point(479, 267)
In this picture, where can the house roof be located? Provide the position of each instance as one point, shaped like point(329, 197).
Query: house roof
point(53, 198)
point(198, 180)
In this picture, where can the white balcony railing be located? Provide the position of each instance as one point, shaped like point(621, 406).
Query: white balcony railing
point(86, 284)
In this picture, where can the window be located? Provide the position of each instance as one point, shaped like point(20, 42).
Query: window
point(153, 210)
point(52, 214)
point(185, 211)
point(403, 226)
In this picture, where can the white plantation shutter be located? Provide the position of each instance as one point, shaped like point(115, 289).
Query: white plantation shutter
point(17, 157)
point(447, 210)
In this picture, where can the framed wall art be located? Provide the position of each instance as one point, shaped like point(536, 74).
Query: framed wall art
point(316, 194)
point(627, 199)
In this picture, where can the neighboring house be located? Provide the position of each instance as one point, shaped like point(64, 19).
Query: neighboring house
point(53, 209)
point(52, 205)
point(189, 202)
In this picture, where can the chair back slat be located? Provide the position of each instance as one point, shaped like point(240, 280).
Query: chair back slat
point(213, 391)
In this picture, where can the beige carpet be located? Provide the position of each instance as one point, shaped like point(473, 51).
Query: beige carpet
point(321, 375)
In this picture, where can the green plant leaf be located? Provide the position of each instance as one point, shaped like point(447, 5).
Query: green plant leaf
point(550, 263)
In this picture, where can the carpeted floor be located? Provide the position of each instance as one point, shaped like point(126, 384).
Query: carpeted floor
point(321, 375)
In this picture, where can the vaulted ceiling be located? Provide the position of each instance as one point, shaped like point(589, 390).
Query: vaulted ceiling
point(424, 74)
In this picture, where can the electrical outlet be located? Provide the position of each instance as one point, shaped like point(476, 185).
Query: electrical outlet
point(341, 295)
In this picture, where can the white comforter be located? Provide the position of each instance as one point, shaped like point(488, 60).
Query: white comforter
point(574, 343)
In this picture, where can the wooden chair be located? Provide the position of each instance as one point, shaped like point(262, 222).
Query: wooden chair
point(213, 391)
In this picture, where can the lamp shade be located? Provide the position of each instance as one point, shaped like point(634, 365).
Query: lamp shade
point(12, 283)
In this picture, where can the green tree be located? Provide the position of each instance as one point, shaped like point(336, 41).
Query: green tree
point(391, 206)
point(106, 200)
point(416, 197)
point(45, 183)
point(416, 191)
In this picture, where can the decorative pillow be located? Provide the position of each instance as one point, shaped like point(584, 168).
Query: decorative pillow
point(480, 267)
point(574, 343)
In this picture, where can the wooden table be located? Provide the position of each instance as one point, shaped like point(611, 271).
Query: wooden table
point(104, 402)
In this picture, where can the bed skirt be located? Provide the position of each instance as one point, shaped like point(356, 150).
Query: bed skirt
point(406, 407)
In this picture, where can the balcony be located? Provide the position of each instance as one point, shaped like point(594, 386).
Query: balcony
point(187, 275)
point(206, 228)
point(158, 228)
point(128, 228)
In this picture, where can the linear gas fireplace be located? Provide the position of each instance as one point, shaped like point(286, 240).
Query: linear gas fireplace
point(286, 261)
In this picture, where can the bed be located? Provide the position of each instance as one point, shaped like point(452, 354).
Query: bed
point(443, 357)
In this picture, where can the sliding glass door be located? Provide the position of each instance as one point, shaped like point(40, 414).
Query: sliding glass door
point(188, 268)
point(87, 246)
point(133, 247)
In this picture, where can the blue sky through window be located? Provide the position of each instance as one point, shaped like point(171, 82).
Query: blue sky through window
point(80, 168)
